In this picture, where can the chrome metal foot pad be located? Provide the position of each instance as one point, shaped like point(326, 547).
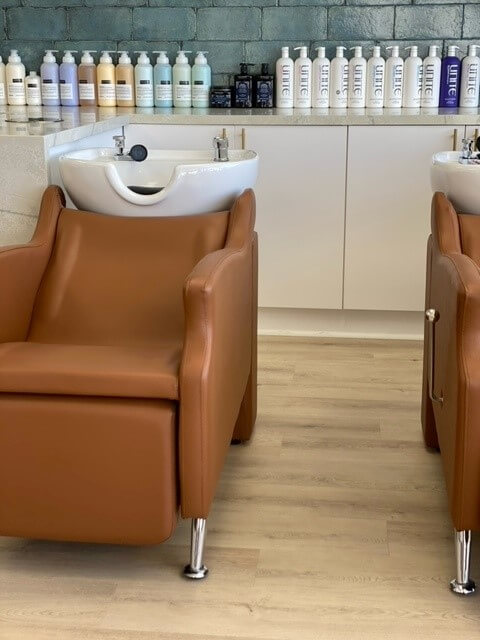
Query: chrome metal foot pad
point(462, 589)
point(195, 574)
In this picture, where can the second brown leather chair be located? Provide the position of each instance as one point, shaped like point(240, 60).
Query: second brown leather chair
point(451, 372)
point(127, 366)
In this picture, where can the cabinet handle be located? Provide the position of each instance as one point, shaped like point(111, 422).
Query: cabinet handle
point(455, 139)
point(224, 134)
point(244, 139)
point(432, 316)
point(475, 138)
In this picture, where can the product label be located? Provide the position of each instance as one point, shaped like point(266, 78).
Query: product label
point(86, 90)
point(286, 82)
point(50, 90)
point(33, 93)
point(164, 91)
point(124, 91)
point(16, 89)
point(2, 91)
point(66, 90)
point(305, 78)
point(471, 79)
point(144, 91)
point(106, 90)
point(200, 92)
point(357, 80)
point(324, 80)
point(183, 90)
point(395, 85)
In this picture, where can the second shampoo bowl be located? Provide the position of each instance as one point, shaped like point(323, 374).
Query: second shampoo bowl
point(459, 182)
point(167, 183)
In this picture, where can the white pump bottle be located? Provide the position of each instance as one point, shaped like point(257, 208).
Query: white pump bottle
point(339, 80)
point(15, 74)
point(375, 80)
point(432, 71)
point(394, 79)
point(321, 80)
point(303, 80)
point(357, 79)
point(412, 82)
point(469, 87)
point(284, 75)
point(182, 81)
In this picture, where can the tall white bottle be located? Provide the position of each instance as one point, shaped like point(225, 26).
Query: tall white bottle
point(320, 80)
point(15, 75)
point(432, 71)
point(3, 84)
point(284, 77)
point(412, 81)
point(394, 68)
point(339, 80)
point(303, 80)
point(357, 79)
point(182, 81)
point(143, 81)
point(375, 80)
point(470, 82)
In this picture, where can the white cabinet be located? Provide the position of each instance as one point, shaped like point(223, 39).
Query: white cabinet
point(388, 214)
point(300, 214)
point(176, 136)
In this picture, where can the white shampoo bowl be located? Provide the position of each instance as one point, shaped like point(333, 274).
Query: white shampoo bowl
point(176, 182)
point(459, 182)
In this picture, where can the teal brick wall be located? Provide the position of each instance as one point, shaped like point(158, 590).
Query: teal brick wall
point(231, 30)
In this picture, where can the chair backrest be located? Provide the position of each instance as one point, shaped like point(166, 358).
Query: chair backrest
point(115, 280)
point(455, 232)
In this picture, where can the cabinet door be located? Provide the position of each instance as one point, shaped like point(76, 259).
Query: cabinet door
point(300, 213)
point(388, 214)
point(176, 136)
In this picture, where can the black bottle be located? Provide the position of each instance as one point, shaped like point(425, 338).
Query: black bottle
point(264, 89)
point(243, 87)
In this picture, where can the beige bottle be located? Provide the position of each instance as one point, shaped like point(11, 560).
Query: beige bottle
point(87, 80)
point(125, 82)
point(106, 81)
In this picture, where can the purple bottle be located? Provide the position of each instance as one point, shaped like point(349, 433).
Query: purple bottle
point(69, 80)
point(49, 75)
point(450, 79)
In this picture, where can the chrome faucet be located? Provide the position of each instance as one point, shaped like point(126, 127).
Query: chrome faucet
point(221, 149)
point(120, 148)
point(467, 152)
point(137, 153)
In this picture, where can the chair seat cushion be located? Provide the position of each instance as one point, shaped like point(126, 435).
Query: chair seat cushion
point(87, 370)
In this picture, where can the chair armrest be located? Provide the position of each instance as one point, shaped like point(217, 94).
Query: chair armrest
point(214, 371)
point(22, 268)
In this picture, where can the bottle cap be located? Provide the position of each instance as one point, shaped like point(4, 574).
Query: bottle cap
point(472, 49)
point(303, 51)
point(265, 70)
point(49, 57)
point(357, 52)
point(339, 52)
point(33, 74)
point(87, 57)
point(395, 50)
point(200, 57)
point(181, 57)
point(244, 67)
point(285, 52)
point(321, 52)
point(413, 50)
point(433, 51)
point(376, 51)
point(124, 58)
point(143, 57)
point(67, 56)
point(162, 57)
point(14, 57)
point(451, 53)
point(106, 58)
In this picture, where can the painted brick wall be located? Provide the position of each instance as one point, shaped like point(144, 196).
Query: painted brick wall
point(231, 30)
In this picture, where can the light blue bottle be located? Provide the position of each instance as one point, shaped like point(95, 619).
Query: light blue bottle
point(162, 79)
point(68, 75)
point(201, 81)
point(50, 79)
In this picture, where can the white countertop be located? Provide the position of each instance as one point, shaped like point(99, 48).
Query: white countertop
point(59, 125)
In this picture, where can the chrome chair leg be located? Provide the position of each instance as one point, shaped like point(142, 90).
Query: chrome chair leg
point(196, 570)
point(462, 584)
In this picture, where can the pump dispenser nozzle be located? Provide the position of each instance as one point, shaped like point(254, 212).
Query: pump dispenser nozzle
point(87, 57)
point(340, 52)
point(395, 50)
point(321, 51)
point(162, 57)
point(49, 57)
point(303, 51)
point(413, 50)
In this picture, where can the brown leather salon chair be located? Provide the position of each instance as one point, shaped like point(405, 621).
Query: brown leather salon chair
point(451, 371)
point(127, 366)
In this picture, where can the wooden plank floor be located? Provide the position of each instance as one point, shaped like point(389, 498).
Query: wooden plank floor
point(331, 524)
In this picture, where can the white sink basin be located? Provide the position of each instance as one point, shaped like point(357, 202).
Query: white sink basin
point(459, 182)
point(167, 183)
